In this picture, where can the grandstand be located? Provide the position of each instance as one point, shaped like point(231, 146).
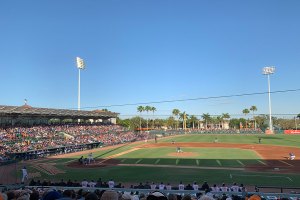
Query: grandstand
point(27, 115)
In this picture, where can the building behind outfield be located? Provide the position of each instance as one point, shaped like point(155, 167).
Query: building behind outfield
point(28, 116)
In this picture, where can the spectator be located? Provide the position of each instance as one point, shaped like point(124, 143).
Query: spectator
point(51, 195)
point(110, 195)
point(91, 196)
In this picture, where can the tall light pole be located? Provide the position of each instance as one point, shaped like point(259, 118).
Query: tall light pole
point(80, 66)
point(268, 71)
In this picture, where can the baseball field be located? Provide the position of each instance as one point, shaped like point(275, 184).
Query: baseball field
point(204, 157)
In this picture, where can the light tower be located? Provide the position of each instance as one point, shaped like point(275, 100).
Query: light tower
point(80, 66)
point(268, 71)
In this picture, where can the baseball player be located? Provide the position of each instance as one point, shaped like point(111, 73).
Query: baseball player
point(24, 174)
point(90, 157)
point(195, 186)
point(181, 186)
point(292, 156)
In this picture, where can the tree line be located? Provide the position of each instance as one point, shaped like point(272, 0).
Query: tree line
point(181, 120)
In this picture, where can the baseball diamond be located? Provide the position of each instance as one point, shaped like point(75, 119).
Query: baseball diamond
point(235, 158)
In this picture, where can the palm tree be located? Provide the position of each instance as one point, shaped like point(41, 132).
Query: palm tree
point(140, 109)
point(206, 118)
point(184, 117)
point(224, 116)
point(253, 109)
point(147, 109)
point(193, 119)
point(153, 109)
point(245, 112)
point(176, 112)
point(219, 119)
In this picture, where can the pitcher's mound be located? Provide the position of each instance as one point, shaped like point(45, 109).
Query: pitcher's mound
point(183, 154)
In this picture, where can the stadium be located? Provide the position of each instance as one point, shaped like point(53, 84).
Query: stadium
point(98, 151)
point(150, 100)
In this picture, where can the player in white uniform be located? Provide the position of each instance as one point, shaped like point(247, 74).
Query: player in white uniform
point(235, 188)
point(181, 186)
point(292, 156)
point(24, 174)
point(153, 186)
point(215, 188)
point(90, 157)
point(92, 183)
point(111, 184)
point(224, 188)
point(179, 150)
point(168, 186)
point(84, 183)
point(161, 186)
point(195, 186)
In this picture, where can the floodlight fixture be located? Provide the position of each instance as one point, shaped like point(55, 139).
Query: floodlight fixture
point(268, 71)
point(80, 63)
point(80, 66)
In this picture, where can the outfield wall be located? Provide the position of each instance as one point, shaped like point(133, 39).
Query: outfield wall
point(292, 132)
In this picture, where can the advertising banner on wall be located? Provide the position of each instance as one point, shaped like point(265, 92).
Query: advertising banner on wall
point(291, 131)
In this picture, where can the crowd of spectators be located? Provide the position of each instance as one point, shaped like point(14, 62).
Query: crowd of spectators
point(147, 185)
point(99, 191)
point(43, 138)
point(22, 139)
point(196, 191)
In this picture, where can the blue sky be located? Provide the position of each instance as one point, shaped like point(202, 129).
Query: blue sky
point(144, 51)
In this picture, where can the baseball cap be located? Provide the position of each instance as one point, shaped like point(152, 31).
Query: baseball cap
point(52, 195)
point(157, 195)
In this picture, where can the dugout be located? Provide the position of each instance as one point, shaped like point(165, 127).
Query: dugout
point(34, 154)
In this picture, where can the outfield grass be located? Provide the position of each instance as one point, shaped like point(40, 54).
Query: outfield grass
point(191, 167)
point(282, 140)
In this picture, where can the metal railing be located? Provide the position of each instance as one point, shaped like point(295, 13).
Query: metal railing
point(266, 195)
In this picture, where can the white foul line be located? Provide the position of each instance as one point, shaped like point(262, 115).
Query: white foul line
point(262, 162)
point(286, 163)
point(138, 161)
point(240, 163)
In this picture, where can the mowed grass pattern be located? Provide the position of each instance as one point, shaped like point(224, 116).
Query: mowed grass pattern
point(203, 157)
point(282, 140)
point(212, 157)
